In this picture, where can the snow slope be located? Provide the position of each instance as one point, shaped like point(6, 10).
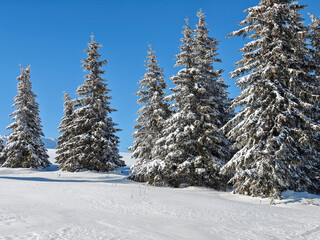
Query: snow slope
point(51, 204)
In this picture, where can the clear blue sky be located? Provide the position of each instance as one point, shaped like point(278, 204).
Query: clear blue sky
point(51, 37)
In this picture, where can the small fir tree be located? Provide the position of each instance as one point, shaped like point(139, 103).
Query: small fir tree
point(273, 132)
point(1, 145)
point(24, 147)
point(64, 148)
point(151, 118)
point(94, 143)
point(1, 154)
point(191, 152)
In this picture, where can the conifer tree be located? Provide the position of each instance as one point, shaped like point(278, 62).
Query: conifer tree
point(94, 144)
point(314, 29)
point(64, 148)
point(205, 49)
point(1, 154)
point(151, 117)
point(191, 137)
point(1, 145)
point(273, 132)
point(24, 147)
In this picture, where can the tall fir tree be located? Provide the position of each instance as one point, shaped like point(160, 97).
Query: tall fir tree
point(205, 49)
point(273, 132)
point(94, 144)
point(64, 147)
point(24, 147)
point(191, 150)
point(151, 118)
point(314, 31)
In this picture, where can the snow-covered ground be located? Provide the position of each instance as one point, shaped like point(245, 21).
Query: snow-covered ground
point(52, 204)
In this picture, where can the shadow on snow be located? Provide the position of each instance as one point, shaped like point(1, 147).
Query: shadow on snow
point(102, 177)
point(299, 197)
point(42, 179)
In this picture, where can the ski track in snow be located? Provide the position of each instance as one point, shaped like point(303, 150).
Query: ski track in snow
point(51, 204)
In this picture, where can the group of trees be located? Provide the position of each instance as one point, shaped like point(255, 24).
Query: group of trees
point(182, 143)
point(193, 137)
point(87, 139)
point(275, 136)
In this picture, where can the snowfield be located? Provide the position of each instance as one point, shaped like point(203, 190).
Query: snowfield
point(51, 204)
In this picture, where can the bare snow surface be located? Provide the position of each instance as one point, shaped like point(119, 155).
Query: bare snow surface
point(51, 204)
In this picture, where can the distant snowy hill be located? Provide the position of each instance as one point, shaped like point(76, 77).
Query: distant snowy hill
point(49, 143)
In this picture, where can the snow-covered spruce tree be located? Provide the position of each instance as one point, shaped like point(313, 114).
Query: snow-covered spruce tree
point(24, 147)
point(1, 145)
point(64, 147)
point(94, 144)
point(1, 154)
point(205, 49)
point(314, 31)
point(273, 131)
point(151, 118)
point(191, 152)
